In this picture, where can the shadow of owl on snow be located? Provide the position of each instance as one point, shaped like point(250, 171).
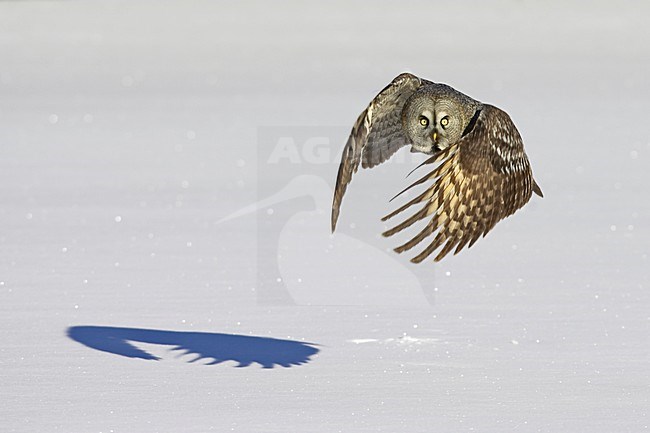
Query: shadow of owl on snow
point(244, 349)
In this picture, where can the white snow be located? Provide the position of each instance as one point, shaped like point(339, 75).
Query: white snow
point(166, 263)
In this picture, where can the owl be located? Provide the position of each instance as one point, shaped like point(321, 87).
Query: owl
point(480, 173)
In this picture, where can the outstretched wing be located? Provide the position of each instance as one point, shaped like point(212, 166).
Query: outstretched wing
point(376, 135)
point(480, 180)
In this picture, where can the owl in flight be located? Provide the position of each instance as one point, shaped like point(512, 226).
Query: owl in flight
point(482, 173)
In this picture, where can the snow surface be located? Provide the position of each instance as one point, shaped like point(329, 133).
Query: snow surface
point(165, 180)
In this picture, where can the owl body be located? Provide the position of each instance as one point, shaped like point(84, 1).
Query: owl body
point(482, 173)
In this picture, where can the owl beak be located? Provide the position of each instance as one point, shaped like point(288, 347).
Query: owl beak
point(435, 136)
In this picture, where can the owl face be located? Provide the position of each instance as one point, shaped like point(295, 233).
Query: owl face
point(435, 119)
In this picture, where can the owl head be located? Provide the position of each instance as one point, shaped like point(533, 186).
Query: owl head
point(436, 116)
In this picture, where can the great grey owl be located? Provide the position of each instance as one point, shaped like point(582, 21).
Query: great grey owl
point(482, 173)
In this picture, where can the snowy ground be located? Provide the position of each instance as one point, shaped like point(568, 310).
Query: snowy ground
point(135, 136)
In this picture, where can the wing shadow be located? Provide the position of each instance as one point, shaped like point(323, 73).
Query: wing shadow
point(244, 349)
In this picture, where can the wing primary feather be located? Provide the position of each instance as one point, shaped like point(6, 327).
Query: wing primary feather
point(417, 182)
point(439, 239)
point(428, 194)
point(423, 163)
point(447, 248)
point(435, 173)
point(426, 231)
point(424, 212)
point(461, 244)
point(349, 164)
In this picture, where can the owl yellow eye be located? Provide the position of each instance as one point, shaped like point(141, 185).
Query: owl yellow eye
point(444, 121)
point(424, 121)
